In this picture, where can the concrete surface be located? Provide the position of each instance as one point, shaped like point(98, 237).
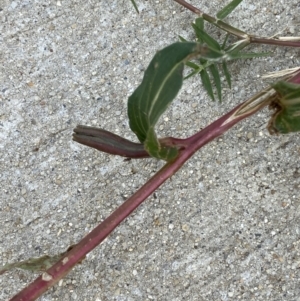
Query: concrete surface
point(226, 227)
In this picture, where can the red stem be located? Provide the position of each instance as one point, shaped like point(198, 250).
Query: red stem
point(108, 142)
point(258, 40)
point(238, 33)
point(189, 6)
point(94, 238)
point(296, 78)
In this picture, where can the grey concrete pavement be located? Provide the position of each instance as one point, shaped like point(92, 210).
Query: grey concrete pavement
point(226, 227)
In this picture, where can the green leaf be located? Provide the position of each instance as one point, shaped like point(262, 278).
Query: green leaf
point(203, 62)
point(157, 150)
point(224, 12)
point(33, 264)
point(162, 80)
point(216, 76)
point(193, 65)
point(225, 41)
point(203, 37)
point(237, 46)
point(200, 23)
point(135, 6)
point(207, 84)
point(227, 74)
point(286, 119)
point(246, 55)
point(182, 39)
point(192, 73)
point(286, 89)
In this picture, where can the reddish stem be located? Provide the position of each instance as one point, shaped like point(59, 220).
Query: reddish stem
point(108, 142)
point(189, 6)
point(238, 33)
point(94, 238)
point(296, 78)
point(258, 40)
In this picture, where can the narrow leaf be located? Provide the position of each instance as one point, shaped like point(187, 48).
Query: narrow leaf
point(197, 69)
point(157, 150)
point(206, 38)
point(224, 12)
point(227, 74)
point(35, 264)
point(135, 6)
point(287, 90)
point(203, 62)
point(161, 83)
point(246, 55)
point(207, 84)
point(225, 41)
point(182, 39)
point(192, 65)
point(216, 76)
point(193, 73)
point(199, 24)
point(237, 46)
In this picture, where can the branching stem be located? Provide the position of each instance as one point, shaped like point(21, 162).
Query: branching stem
point(235, 31)
point(95, 237)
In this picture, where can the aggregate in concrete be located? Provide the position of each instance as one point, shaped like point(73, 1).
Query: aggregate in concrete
point(225, 227)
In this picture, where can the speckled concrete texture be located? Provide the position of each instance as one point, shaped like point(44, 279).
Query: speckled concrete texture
point(225, 227)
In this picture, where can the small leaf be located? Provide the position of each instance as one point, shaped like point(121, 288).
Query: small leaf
point(246, 55)
point(199, 24)
point(135, 6)
point(203, 62)
point(207, 84)
point(227, 74)
point(203, 37)
point(216, 76)
point(237, 46)
point(182, 39)
point(162, 81)
point(157, 150)
point(192, 73)
point(224, 12)
point(197, 69)
point(287, 90)
point(192, 65)
point(225, 41)
point(33, 264)
point(286, 119)
point(36, 264)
